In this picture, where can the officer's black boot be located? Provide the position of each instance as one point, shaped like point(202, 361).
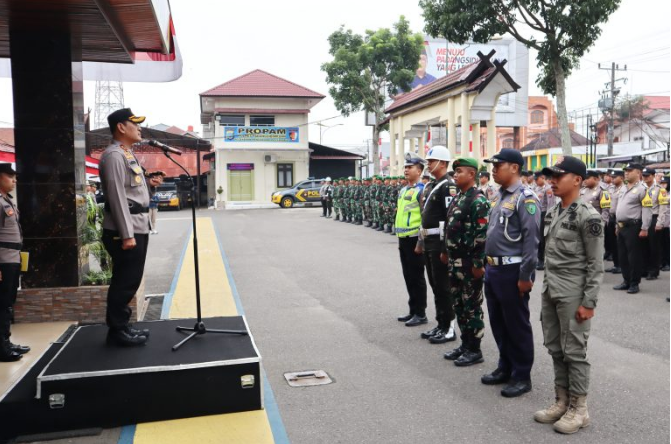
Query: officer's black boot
point(456, 353)
point(6, 353)
point(387, 228)
point(135, 331)
point(472, 355)
point(124, 338)
point(374, 225)
point(337, 217)
point(380, 228)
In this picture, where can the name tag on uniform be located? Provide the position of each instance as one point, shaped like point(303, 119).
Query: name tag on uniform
point(9, 211)
point(509, 205)
point(569, 226)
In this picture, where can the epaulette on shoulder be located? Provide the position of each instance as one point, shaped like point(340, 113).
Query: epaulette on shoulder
point(528, 192)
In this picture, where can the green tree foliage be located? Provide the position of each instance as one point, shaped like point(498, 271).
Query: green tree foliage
point(560, 30)
point(367, 68)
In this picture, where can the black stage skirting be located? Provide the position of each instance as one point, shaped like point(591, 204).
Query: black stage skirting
point(110, 386)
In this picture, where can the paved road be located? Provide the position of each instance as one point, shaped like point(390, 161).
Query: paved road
point(324, 295)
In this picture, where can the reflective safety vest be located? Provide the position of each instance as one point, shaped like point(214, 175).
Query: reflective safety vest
point(409, 214)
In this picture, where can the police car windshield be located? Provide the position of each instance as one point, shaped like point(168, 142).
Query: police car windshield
point(167, 187)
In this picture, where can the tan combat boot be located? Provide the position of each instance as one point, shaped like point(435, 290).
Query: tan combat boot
point(556, 410)
point(576, 417)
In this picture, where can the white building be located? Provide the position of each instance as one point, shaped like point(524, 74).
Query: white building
point(258, 125)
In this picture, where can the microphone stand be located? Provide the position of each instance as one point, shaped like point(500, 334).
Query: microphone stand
point(199, 328)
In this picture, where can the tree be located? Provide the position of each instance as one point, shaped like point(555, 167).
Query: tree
point(366, 68)
point(560, 30)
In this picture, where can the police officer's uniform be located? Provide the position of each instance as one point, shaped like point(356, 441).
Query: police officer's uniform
point(511, 248)
point(407, 226)
point(546, 200)
point(573, 274)
point(609, 232)
point(663, 222)
point(651, 245)
point(11, 241)
point(487, 189)
point(633, 215)
point(598, 197)
point(126, 216)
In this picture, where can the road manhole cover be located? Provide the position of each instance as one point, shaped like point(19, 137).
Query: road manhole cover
point(307, 378)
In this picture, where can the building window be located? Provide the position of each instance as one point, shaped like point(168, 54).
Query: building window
point(537, 117)
point(231, 120)
point(507, 143)
point(285, 175)
point(262, 120)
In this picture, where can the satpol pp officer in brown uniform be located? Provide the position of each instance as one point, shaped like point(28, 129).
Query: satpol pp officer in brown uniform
point(10, 263)
point(573, 273)
point(126, 224)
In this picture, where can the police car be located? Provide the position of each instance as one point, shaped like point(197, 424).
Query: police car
point(169, 196)
point(305, 192)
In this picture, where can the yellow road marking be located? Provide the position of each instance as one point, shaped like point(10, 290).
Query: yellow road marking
point(216, 300)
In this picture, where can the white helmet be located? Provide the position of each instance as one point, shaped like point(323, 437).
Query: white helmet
point(438, 152)
point(328, 179)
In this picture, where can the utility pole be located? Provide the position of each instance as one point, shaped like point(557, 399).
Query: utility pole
point(609, 103)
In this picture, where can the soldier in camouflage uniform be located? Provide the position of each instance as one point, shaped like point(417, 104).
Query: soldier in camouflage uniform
point(356, 203)
point(336, 202)
point(465, 234)
point(393, 203)
point(384, 204)
point(367, 216)
point(373, 202)
point(345, 200)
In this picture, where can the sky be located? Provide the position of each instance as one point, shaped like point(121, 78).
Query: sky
point(221, 40)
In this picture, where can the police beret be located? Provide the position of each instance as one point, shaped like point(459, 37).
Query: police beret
point(616, 173)
point(647, 171)
point(592, 173)
point(465, 162)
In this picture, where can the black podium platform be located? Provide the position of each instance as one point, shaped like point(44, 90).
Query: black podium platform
point(86, 383)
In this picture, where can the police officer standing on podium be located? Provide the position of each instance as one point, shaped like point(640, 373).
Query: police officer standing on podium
point(511, 248)
point(10, 263)
point(126, 223)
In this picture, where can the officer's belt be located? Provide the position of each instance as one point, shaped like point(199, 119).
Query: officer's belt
point(503, 260)
point(133, 207)
point(629, 223)
point(11, 245)
point(429, 232)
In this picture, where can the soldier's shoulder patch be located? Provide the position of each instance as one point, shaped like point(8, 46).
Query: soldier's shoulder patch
point(595, 227)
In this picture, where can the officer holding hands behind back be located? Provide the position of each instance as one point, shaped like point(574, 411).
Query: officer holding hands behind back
point(126, 224)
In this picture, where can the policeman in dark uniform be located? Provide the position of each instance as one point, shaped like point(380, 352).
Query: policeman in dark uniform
point(511, 248)
point(10, 263)
point(126, 224)
point(435, 199)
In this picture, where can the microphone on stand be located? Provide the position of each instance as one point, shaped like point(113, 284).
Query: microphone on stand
point(166, 149)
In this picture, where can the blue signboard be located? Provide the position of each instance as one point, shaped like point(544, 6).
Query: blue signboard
point(260, 134)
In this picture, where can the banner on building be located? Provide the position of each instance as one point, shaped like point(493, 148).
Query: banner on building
point(260, 134)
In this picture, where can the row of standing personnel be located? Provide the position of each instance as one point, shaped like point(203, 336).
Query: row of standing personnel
point(470, 237)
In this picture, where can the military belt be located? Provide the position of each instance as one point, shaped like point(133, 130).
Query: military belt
point(503, 260)
point(11, 245)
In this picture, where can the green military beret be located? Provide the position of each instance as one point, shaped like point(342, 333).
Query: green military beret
point(465, 162)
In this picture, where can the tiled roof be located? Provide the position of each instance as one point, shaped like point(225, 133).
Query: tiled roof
point(657, 102)
point(475, 76)
point(259, 83)
point(552, 139)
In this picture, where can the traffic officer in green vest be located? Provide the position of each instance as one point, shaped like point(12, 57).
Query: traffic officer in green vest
point(407, 225)
point(573, 273)
point(512, 244)
point(11, 241)
point(435, 199)
point(465, 233)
